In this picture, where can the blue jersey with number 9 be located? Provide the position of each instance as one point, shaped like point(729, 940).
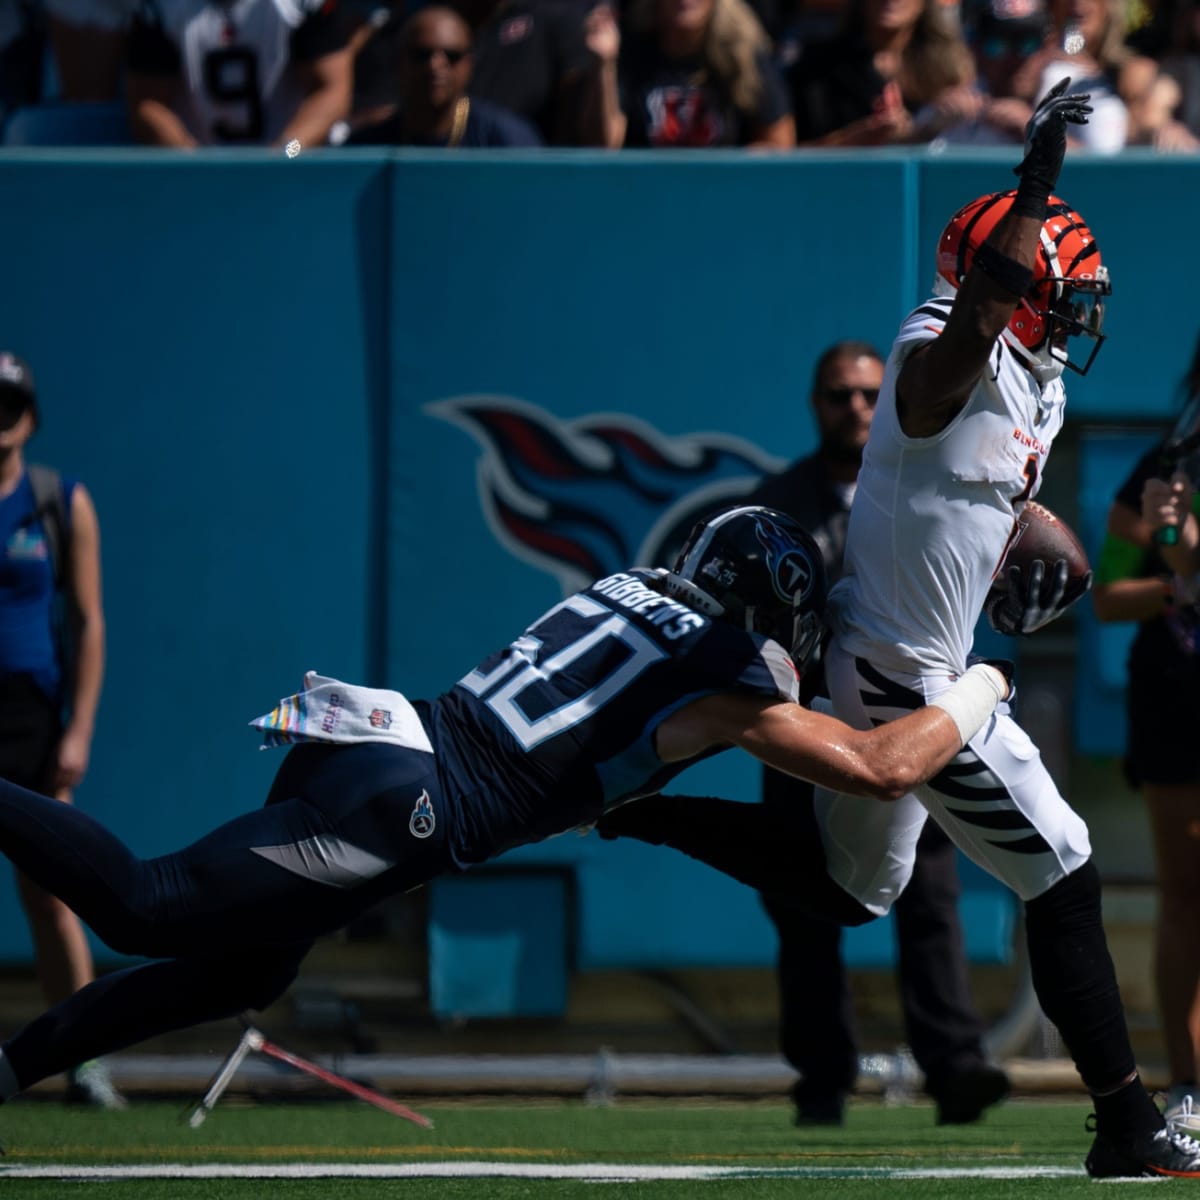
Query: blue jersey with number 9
point(560, 725)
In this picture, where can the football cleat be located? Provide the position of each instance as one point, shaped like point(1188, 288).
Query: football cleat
point(91, 1084)
point(963, 1096)
point(1158, 1152)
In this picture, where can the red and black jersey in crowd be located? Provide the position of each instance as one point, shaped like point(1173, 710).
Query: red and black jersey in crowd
point(678, 103)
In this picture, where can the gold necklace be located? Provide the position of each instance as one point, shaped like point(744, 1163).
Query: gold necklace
point(458, 127)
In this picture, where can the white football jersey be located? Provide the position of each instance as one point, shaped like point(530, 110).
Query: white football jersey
point(932, 517)
point(233, 59)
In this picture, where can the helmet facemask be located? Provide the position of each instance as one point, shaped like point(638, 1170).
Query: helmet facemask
point(1078, 311)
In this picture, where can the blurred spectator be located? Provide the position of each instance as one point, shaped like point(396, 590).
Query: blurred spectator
point(433, 70)
point(1004, 36)
point(88, 37)
point(22, 53)
point(258, 72)
point(1181, 64)
point(699, 73)
point(1143, 578)
point(1132, 100)
point(899, 71)
point(375, 46)
point(816, 1006)
point(796, 23)
point(51, 669)
point(532, 58)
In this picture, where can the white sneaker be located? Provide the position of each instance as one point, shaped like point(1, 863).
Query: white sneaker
point(1182, 1113)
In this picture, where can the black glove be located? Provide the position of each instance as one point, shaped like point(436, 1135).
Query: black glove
point(1046, 136)
point(1018, 608)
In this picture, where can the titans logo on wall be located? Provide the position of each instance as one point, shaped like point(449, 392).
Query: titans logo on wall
point(587, 497)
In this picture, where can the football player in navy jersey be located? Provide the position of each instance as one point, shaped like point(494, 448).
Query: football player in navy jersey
point(602, 699)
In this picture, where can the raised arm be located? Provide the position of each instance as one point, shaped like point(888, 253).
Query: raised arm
point(936, 380)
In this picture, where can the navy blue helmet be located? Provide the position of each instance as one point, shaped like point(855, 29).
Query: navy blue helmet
point(760, 570)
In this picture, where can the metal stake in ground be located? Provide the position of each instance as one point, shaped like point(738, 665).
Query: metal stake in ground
point(253, 1040)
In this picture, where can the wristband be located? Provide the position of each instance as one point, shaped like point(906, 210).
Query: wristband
point(1011, 275)
point(972, 699)
point(1033, 195)
point(1168, 592)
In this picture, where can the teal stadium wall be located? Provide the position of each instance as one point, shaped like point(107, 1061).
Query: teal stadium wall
point(261, 368)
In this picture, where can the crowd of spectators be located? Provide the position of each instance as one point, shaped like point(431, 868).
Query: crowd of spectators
point(761, 74)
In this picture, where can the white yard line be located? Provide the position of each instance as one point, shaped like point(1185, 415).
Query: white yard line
point(603, 1172)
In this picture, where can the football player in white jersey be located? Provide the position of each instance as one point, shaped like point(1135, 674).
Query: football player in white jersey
point(971, 401)
point(972, 397)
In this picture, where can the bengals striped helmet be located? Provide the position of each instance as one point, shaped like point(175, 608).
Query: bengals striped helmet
point(1070, 283)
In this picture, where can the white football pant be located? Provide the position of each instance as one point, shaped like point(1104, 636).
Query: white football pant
point(995, 800)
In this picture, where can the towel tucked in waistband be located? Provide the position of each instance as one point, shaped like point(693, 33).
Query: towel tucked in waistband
point(329, 710)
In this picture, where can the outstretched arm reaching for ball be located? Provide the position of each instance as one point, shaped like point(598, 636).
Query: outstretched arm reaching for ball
point(886, 762)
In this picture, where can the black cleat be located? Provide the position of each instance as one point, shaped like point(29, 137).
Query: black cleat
point(1159, 1152)
point(963, 1096)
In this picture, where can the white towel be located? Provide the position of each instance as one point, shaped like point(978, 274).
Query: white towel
point(328, 710)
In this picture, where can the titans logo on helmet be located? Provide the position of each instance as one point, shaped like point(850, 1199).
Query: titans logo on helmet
point(790, 567)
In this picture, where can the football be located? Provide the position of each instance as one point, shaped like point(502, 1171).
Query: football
point(1040, 534)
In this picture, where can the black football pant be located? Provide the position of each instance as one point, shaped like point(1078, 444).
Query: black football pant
point(230, 922)
point(817, 1029)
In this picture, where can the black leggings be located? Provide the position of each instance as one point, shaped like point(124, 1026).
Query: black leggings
point(236, 911)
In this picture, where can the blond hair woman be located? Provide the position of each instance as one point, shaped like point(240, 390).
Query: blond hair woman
point(699, 73)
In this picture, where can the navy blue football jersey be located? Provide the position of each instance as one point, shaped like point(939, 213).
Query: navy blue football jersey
point(559, 726)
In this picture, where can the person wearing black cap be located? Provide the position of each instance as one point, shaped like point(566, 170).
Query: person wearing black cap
point(50, 671)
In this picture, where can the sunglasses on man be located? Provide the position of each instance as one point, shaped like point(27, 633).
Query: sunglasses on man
point(420, 55)
point(841, 396)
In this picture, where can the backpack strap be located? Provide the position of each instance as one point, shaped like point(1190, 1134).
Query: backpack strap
point(50, 507)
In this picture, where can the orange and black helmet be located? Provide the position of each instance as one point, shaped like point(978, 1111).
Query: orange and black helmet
point(1070, 282)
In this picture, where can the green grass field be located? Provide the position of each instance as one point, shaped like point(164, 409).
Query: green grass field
point(544, 1149)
